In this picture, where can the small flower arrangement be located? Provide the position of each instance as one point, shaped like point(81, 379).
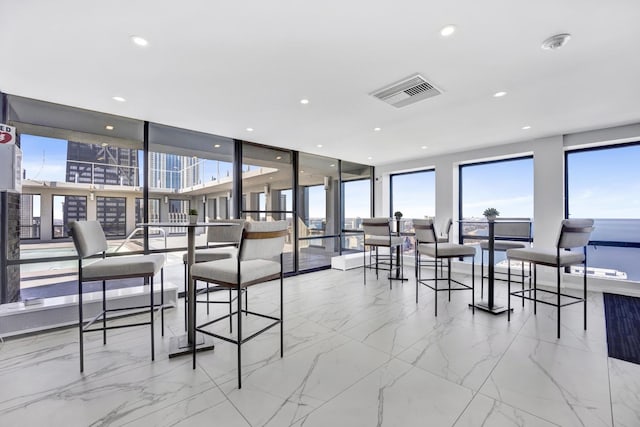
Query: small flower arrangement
point(397, 214)
point(193, 211)
point(491, 213)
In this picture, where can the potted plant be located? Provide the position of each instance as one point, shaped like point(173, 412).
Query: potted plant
point(193, 216)
point(397, 214)
point(491, 214)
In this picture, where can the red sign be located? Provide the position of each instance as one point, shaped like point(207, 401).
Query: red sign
point(7, 134)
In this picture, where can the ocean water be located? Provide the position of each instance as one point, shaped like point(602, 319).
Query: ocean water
point(622, 259)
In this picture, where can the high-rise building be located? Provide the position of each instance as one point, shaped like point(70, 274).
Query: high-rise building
point(102, 164)
point(173, 171)
point(29, 224)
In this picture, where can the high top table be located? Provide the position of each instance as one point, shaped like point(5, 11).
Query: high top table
point(490, 305)
point(181, 345)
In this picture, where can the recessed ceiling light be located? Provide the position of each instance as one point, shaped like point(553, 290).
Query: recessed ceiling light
point(278, 157)
point(499, 94)
point(249, 129)
point(332, 165)
point(369, 158)
point(526, 127)
point(304, 101)
point(118, 98)
point(216, 145)
point(140, 41)
point(301, 171)
point(424, 147)
point(104, 144)
point(377, 129)
point(319, 145)
point(448, 30)
point(109, 127)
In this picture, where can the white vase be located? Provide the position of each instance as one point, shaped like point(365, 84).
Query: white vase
point(193, 219)
point(491, 217)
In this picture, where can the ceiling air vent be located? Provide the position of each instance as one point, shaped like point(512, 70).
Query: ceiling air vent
point(407, 91)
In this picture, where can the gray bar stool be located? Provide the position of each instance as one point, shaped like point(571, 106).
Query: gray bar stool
point(574, 233)
point(222, 243)
point(89, 239)
point(259, 260)
point(510, 233)
point(377, 234)
point(427, 244)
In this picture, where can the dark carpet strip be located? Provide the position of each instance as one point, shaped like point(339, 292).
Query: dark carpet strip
point(622, 314)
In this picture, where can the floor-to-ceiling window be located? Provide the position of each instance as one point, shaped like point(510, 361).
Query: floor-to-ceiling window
point(414, 195)
point(79, 164)
point(604, 184)
point(318, 211)
point(267, 180)
point(76, 165)
point(357, 203)
point(506, 185)
point(187, 170)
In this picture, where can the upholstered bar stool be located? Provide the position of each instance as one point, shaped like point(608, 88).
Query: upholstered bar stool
point(427, 244)
point(377, 234)
point(89, 239)
point(574, 233)
point(222, 243)
point(259, 260)
point(443, 237)
point(510, 233)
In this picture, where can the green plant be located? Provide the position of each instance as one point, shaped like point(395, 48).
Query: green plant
point(490, 212)
point(397, 214)
point(193, 211)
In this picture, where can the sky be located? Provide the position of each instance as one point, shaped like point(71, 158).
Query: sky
point(506, 186)
point(602, 183)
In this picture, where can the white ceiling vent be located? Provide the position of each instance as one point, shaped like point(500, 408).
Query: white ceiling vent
point(407, 91)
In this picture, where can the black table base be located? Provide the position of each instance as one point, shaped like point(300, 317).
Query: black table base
point(179, 346)
point(496, 309)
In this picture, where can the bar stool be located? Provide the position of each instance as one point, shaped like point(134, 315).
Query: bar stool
point(377, 234)
point(510, 233)
point(222, 243)
point(427, 244)
point(89, 239)
point(444, 237)
point(261, 243)
point(574, 233)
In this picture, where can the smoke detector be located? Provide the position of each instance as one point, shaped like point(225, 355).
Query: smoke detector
point(556, 42)
point(406, 91)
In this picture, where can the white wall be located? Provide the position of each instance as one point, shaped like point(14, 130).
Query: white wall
point(548, 154)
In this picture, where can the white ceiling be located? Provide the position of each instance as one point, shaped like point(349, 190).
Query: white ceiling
point(223, 66)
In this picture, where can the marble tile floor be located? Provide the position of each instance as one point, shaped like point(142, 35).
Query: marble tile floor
point(354, 356)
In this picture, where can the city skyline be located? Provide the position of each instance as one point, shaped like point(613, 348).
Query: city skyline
point(612, 193)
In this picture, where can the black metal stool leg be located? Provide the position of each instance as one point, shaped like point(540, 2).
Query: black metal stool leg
point(80, 319)
point(151, 309)
point(509, 291)
point(104, 312)
point(481, 273)
point(522, 266)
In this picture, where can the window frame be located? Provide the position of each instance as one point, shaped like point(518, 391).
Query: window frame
point(609, 243)
point(461, 167)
